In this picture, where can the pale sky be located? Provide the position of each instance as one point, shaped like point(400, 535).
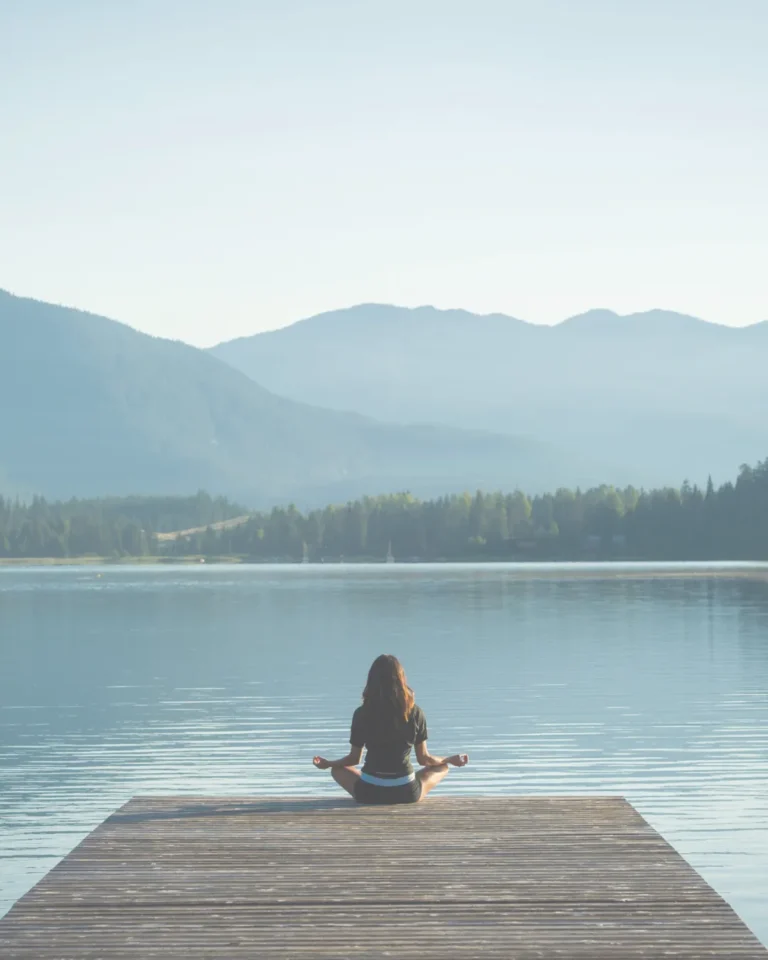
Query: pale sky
point(205, 169)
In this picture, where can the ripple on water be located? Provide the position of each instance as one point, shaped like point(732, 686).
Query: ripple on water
point(229, 681)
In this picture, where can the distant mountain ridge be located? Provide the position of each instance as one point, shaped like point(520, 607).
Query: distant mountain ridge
point(90, 407)
point(663, 321)
point(654, 397)
point(597, 318)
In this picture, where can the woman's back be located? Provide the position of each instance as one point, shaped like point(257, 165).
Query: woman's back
point(388, 741)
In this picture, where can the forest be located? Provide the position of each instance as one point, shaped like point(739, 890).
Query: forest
point(686, 523)
point(112, 527)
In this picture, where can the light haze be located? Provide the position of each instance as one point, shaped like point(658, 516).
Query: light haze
point(207, 170)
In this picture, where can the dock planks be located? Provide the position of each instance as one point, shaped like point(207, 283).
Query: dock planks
point(522, 877)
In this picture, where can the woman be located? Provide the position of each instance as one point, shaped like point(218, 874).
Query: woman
point(388, 725)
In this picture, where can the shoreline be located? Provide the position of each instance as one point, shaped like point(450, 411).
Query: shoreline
point(625, 569)
point(91, 561)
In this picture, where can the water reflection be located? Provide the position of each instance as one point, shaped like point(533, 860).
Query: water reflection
point(227, 680)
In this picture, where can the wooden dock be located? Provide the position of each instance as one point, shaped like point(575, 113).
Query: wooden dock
point(523, 877)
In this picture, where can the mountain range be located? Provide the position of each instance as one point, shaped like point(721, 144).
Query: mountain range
point(375, 399)
point(89, 407)
point(651, 398)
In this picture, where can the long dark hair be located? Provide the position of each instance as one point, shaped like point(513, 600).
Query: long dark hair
point(387, 695)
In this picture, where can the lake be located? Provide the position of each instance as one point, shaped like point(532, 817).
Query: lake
point(116, 681)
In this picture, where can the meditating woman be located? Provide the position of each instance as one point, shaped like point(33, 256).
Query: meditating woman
point(388, 725)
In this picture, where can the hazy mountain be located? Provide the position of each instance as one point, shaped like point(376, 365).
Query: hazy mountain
point(89, 406)
point(655, 397)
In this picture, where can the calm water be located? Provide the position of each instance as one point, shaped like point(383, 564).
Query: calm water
point(228, 679)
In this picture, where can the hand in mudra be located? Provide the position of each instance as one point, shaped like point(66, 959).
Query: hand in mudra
point(458, 760)
point(321, 763)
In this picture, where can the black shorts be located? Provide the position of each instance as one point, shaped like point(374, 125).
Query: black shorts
point(373, 793)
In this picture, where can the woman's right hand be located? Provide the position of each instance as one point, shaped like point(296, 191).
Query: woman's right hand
point(321, 763)
point(458, 760)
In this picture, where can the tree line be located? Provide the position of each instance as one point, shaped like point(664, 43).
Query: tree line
point(112, 527)
point(686, 523)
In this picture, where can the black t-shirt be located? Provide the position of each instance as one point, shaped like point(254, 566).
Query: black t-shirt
point(388, 749)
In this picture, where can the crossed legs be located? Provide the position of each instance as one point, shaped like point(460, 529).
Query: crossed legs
point(346, 777)
point(429, 778)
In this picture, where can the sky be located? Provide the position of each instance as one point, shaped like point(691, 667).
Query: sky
point(206, 170)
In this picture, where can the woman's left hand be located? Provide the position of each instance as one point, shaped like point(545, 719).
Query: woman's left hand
point(458, 760)
point(321, 763)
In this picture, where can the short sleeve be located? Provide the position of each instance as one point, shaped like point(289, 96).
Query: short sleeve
point(420, 726)
point(358, 735)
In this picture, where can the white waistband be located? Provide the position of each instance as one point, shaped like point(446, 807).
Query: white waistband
point(385, 782)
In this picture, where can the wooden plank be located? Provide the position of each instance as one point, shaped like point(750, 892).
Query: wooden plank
point(451, 878)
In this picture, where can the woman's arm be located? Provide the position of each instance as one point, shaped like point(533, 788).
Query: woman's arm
point(426, 759)
point(351, 760)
